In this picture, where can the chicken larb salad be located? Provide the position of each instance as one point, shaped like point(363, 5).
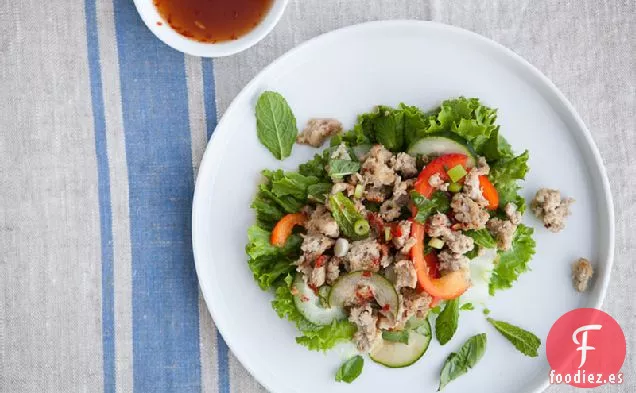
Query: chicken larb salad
point(403, 221)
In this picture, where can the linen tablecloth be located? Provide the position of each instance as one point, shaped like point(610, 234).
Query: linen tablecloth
point(102, 128)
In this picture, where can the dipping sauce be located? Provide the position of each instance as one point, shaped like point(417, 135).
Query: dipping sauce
point(213, 20)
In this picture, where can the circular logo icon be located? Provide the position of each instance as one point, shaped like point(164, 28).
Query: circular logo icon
point(586, 348)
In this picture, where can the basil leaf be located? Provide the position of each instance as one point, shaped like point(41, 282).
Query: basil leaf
point(526, 342)
point(275, 124)
point(446, 322)
point(467, 307)
point(399, 336)
point(350, 370)
point(340, 168)
point(458, 364)
point(345, 214)
point(427, 207)
point(482, 238)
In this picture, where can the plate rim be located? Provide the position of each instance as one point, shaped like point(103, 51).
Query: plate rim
point(213, 143)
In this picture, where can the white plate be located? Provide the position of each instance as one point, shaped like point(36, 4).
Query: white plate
point(347, 72)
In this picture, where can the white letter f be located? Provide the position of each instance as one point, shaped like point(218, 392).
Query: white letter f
point(584, 347)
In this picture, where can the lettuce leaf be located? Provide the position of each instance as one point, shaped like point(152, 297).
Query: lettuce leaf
point(504, 175)
point(315, 167)
point(283, 192)
point(269, 263)
point(397, 128)
point(510, 264)
point(314, 337)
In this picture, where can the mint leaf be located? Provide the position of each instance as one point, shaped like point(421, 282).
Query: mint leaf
point(510, 264)
point(345, 214)
point(400, 336)
point(340, 168)
point(427, 207)
point(458, 364)
point(446, 322)
point(467, 307)
point(482, 238)
point(275, 124)
point(350, 370)
point(526, 342)
point(319, 191)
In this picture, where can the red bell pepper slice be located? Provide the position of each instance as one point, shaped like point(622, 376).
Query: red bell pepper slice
point(438, 166)
point(284, 226)
point(449, 286)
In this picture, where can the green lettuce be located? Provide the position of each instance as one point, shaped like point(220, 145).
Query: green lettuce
point(282, 193)
point(397, 128)
point(510, 264)
point(504, 175)
point(314, 337)
point(315, 167)
point(267, 262)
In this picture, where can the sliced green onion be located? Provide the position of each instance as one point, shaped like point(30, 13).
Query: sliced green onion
point(387, 234)
point(357, 193)
point(454, 187)
point(456, 173)
point(436, 243)
point(361, 227)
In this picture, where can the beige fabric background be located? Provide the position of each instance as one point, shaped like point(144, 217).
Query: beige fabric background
point(50, 273)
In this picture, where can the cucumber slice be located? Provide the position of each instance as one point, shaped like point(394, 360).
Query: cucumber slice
point(308, 303)
point(344, 290)
point(443, 143)
point(398, 355)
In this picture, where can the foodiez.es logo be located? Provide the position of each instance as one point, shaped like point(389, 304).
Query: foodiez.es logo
point(586, 348)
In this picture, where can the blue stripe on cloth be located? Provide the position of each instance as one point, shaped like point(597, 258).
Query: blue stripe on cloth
point(103, 191)
point(209, 94)
point(166, 354)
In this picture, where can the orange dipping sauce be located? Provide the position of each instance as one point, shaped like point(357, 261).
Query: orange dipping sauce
point(213, 20)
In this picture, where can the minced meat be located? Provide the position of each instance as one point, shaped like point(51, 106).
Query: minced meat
point(405, 164)
point(318, 130)
point(315, 245)
point(503, 231)
point(582, 271)
point(405, 274)
point(364, 255)
point(548, 206)
point(468, 213)
point(376, 170)
point(365, 319)
point(321, 221)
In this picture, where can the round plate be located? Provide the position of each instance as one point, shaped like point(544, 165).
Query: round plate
point(347, 72)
